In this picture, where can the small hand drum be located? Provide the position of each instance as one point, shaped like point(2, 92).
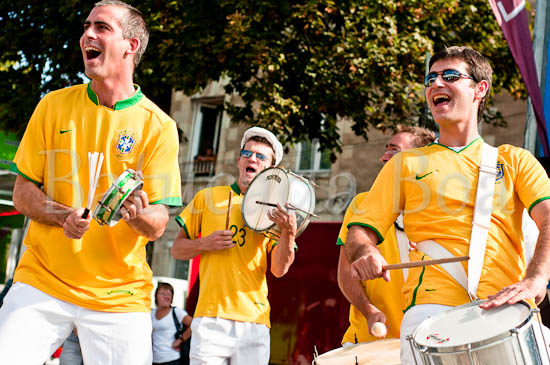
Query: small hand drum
point(107, 210)
point(276, 185)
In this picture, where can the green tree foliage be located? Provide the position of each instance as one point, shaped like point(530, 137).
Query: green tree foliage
point(298, 66)
point(41, 53)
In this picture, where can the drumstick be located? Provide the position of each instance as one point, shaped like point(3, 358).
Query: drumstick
point(228, 211)
point(94, 166)
point(406, 265)
point(289, 207)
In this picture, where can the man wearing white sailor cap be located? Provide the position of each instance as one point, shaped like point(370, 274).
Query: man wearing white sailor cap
point(231, 321)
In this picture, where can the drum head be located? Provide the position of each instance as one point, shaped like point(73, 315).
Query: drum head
point(468, 324)
point(382, 352)
point(269, 186)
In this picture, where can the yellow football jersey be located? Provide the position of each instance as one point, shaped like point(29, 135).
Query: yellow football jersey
point(436, 188)
point(106, 270)
point(233, 282)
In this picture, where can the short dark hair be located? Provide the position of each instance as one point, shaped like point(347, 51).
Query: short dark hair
point(133, 25)
point(165, 286)
point(263, 140)
point(421, 136)
point(478, 67)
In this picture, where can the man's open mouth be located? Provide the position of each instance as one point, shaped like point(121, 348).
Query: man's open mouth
point(92, 52)
point(438, 99)
point(250, 170)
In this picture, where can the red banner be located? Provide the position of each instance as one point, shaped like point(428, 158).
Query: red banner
point(512, 18)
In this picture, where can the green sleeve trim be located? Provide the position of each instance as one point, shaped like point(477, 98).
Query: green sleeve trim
point(172, 201)
point(13, 168)
point(181, 223)
point(277, 242)
point(339, 242)
point(380, 237)
point(536, 202)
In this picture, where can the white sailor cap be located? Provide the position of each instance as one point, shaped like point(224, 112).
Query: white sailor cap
point(261, 132)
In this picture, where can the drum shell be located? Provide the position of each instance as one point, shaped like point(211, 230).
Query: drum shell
point(518, 345)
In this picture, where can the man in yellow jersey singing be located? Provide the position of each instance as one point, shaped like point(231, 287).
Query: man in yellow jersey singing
point(75, 273)
point(231, 321)
point(435, 187)
point(377, 301)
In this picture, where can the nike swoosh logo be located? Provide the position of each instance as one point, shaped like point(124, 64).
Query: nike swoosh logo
point(65, 131)
point(423, 176)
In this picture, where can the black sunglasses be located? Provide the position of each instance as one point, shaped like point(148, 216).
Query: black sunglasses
point(447, 76)
point(248, 154)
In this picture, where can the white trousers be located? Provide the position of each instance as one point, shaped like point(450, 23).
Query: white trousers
point(223, 341)
point(34, 324)
point(419, 313)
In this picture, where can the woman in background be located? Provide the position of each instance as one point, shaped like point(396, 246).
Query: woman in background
point(166, 347)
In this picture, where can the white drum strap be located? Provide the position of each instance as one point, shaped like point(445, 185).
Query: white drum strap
point(402, 244)
point(480, 227)
point(482, 215)
point(436, 251)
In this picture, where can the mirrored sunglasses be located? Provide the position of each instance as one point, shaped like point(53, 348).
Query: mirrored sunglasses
point(446, 75)
point(248, 154)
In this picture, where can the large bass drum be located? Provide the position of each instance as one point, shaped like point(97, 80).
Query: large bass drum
point(272, 186)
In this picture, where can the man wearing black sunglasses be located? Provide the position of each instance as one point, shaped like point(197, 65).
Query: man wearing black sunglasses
point(435, 187)
point(231, 321)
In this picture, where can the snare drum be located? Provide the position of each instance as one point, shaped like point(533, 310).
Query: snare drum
point(382, 352)
point(272, 186)
point(468, 334)
point(107, 210)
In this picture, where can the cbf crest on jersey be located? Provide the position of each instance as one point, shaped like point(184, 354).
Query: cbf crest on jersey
point(124, 144)
point(500, 171)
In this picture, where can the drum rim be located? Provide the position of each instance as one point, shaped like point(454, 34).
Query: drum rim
point(100, 208)
point(472, 346)
point(244, 199)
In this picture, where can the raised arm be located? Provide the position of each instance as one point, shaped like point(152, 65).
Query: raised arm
point(283, 254)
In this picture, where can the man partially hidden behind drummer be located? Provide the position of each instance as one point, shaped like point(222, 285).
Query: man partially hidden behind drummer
point(231, 321)
point(378, 301)
point(435, 188)
point(75, 273)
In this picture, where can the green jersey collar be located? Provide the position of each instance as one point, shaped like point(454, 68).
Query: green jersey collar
point(469, 144)
point(121, 104)
point(236, 188)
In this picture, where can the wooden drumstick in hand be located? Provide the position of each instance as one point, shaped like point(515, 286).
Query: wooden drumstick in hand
point(228, 211)
point(407, 265)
